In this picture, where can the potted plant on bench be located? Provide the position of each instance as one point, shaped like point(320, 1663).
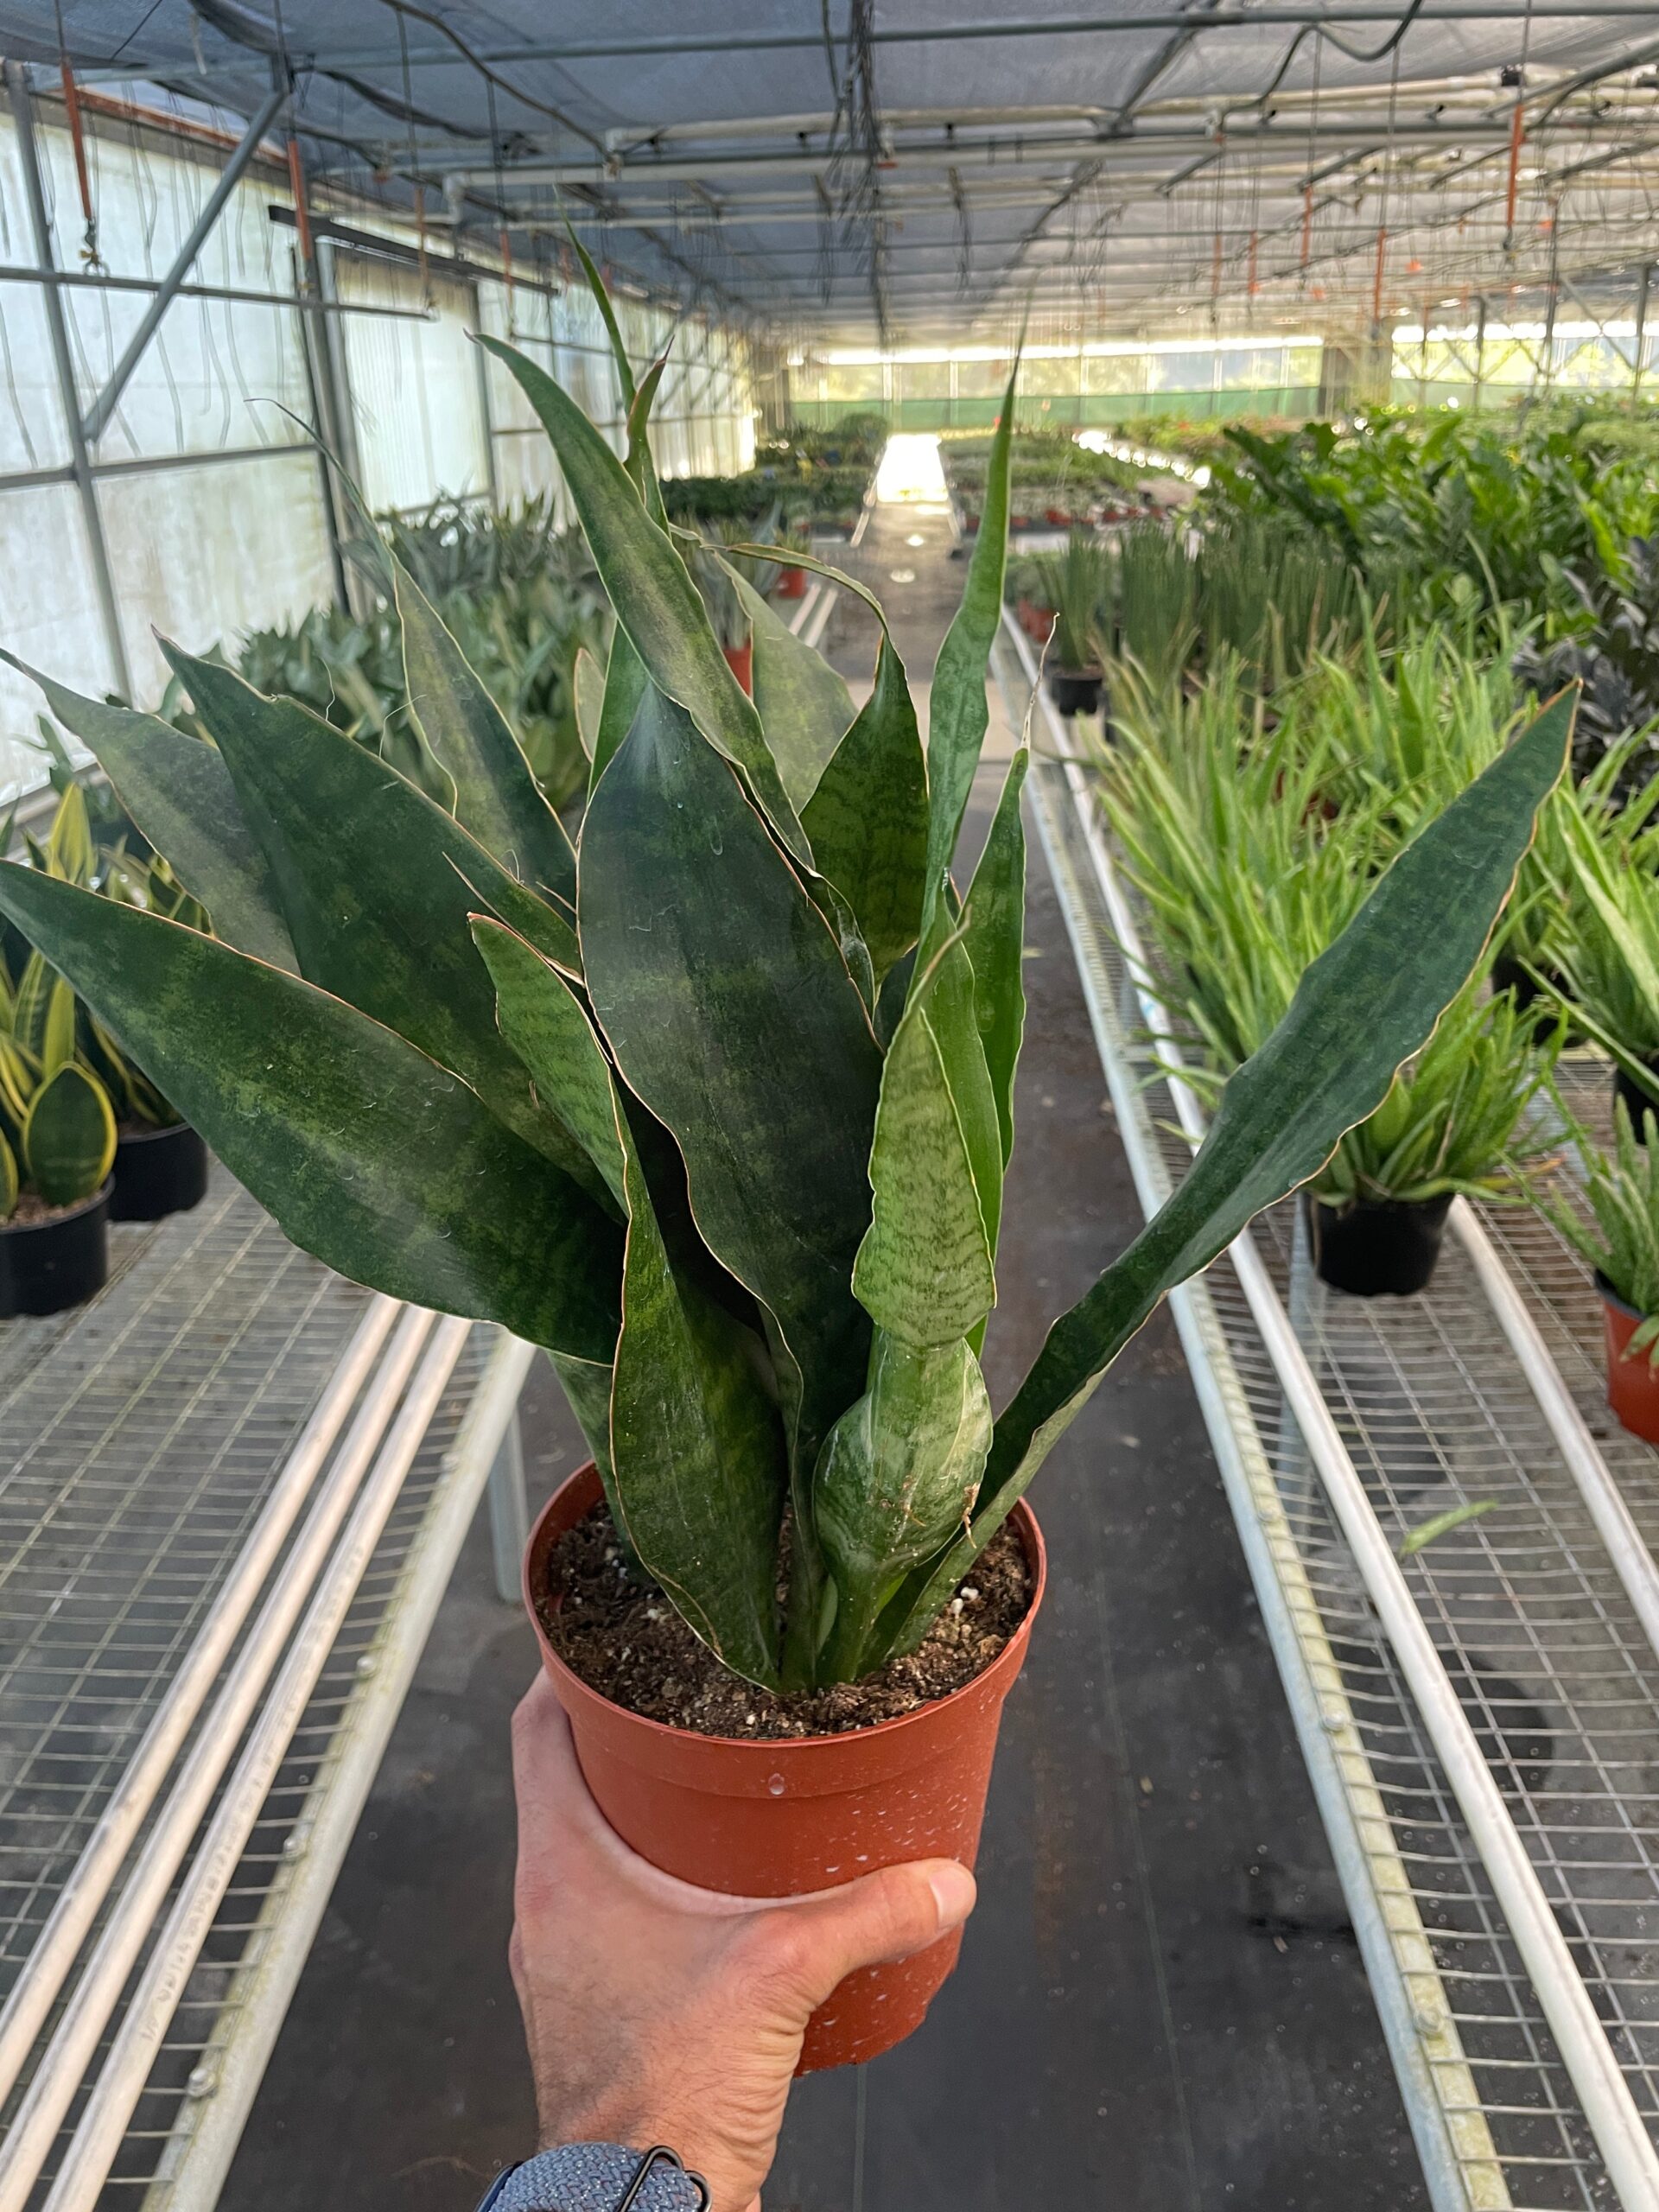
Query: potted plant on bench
point(721, 1120)
point(1620, 1241)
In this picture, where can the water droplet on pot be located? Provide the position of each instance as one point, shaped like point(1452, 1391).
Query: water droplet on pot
point(776, 1784)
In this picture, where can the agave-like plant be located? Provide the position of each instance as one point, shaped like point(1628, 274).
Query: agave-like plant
point(718, 1111)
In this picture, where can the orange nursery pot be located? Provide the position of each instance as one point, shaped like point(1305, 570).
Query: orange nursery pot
point(1632, 1386)
point(740, 660)
point(791, 583)
point(777, 1818)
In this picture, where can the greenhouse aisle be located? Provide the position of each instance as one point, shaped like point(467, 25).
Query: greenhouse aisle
point(1160, 2007)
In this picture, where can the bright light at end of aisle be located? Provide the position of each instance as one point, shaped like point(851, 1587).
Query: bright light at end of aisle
point(910, 468)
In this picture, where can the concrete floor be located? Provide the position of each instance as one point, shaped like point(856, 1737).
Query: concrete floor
point(1160, 2007)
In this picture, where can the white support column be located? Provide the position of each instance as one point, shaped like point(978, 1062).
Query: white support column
point(23, 109)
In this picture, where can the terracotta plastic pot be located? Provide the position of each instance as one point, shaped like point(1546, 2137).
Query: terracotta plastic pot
point(1632, 1386)
point(791, 583)
point(48, 1266)
point(1378, 1247)
point(777, 1819)
point(158, 1171)
point(740, 660)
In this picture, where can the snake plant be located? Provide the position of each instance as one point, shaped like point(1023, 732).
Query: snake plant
point(722, 1117)
point(57, 1127)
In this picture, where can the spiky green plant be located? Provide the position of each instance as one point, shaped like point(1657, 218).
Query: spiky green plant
point(722, 1118)
point(1156, 597)
point(1077, 584)
point(1604, 942)
point(1622, 1242)
point(1247, 878)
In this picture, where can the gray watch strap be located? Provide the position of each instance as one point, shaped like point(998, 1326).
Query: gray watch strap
point(598, 2177)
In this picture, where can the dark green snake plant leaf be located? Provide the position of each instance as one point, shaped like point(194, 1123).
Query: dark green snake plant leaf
point(731, 1014)
point(698, 1464)
point(804, 707)
point(866, 818)
point(1365, 1006)
point(924, 1271)
point(379, 884)
point(958, 713)
point(995, 942)
point(896, 1480)
point(179, 791)
point(701, 942)
point(497, 797)
point(541, 1020)
point(68, 1141)
point(370, 1156)
point(656, 600)
point(625, 687)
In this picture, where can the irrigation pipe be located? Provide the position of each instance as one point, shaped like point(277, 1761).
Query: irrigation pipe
point(1602, 2090)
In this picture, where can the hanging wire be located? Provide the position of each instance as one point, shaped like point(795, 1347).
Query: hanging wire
point(422, 268)
point(78, 141)
point(1517, 133)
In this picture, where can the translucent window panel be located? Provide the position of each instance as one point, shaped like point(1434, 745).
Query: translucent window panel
point(525, 463)
point(857, 380)
point(922, 380)
point(1251, 368)
point(1303, 363)
point(1114, 372)
point(207, 380)
point(415, 390)
point(1183, 372)
point(1053, 378)
point(982, 380)
point(206, 552)
point(51, 617)
point(33, 434)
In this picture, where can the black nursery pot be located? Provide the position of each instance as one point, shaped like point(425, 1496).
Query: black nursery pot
point(1378, 1247)
point(45, 1266)
point(1637, 1101)
point(1076, 691)
point(158, 1171)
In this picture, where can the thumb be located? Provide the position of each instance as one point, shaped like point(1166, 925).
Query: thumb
point(887, 1915)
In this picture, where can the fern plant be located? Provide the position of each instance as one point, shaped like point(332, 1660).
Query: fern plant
point(722, 1117)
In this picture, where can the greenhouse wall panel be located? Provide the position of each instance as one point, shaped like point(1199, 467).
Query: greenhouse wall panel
point(203, 553)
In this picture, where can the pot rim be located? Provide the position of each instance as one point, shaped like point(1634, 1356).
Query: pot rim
point(1610, 1297)
point(1347, 1208)
point(151, 1132)
point(65, 1220)
point(794, 1747)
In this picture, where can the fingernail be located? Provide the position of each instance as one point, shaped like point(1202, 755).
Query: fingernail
point(953, 1891)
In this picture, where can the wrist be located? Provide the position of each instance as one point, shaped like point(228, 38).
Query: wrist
point(599, 2176)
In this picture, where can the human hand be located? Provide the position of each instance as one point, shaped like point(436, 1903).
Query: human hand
point(657, 2012)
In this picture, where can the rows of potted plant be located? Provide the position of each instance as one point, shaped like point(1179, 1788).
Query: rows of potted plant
point(1053, 482)
point(717, 1107)
point(1253, 844)
point(85, 1137)
point(1539, 522)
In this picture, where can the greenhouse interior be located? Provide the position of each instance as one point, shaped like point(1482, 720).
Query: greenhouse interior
point(982, 1531)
